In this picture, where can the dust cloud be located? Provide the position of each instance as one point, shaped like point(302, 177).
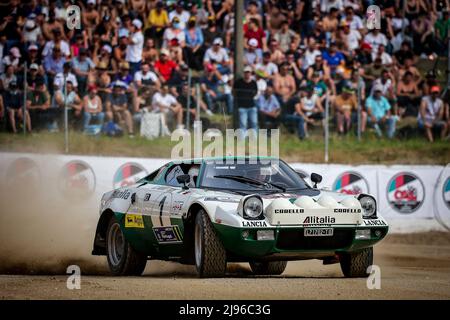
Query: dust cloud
point(41, 230)
point(40, 233)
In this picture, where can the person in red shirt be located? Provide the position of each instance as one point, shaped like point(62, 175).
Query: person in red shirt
point(165, 66)
point(253, 30)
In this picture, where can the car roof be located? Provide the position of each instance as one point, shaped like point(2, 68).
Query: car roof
point(224, 158)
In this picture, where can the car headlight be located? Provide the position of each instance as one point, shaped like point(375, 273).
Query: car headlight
point(253, 208)
point(369, 206)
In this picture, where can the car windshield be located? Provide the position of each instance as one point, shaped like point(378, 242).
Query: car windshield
point(274, 176)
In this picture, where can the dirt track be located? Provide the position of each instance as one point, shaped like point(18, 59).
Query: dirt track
point(409, 270)
point(40, 236)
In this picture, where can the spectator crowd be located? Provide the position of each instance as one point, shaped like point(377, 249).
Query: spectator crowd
point(130, 57)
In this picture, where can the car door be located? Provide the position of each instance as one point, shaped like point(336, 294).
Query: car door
point(163, 208)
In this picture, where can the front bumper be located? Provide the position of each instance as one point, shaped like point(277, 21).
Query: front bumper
point(289, 243)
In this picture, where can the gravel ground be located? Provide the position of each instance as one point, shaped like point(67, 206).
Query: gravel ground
point(410, 269)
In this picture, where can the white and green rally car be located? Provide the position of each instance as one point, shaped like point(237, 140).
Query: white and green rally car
point(209, 212)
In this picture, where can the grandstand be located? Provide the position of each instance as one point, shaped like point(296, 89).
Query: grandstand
point(133, 61)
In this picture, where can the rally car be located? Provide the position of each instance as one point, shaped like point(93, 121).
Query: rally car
point(207, 212)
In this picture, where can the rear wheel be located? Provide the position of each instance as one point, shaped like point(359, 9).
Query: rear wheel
point(268, 267)
point(123, 260)
point(355, 264)
point(210, 255)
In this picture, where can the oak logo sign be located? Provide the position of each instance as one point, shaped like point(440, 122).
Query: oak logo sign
point(405, 192)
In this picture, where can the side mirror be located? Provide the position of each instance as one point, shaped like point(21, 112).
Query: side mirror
point(184, 179)
point(316, 178)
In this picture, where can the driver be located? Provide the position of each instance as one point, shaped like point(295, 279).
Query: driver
point(262, 174)
point(193, 172)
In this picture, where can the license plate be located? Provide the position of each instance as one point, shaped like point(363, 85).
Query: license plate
point(318, 232)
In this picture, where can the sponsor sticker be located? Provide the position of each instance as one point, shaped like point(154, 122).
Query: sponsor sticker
point(254, 223)
point(287, 211)
point(121, 194)
point(374, 222)
point(319, 220)
point(405, 193)
point(128, 174)
point(446, 192)
point(338, 210)
point(77, 179)
point(167, 234)
point(351, 182)
point(177, 205)
point(134, 221)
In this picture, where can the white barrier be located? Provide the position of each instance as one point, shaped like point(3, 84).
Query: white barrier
point(411, 198)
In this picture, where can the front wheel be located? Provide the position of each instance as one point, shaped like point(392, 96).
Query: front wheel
point(355, 264)
point(123, 260)
point(268, 267)
point(210, 255)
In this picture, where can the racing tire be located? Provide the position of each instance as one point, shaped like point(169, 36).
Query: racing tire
point(355, 264)
point(209, 253)
point(273, 268)
point(123, 260)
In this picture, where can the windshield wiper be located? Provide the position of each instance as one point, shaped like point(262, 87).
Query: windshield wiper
point(249, 180)
point(297, 189)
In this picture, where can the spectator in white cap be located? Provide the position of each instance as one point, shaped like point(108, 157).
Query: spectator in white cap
point(135, 46)
point(32, 56)
point(105, 56)
point(120, 51)
point(33, 75)
point(252, 55)
point(219, 56)
point(379, 112)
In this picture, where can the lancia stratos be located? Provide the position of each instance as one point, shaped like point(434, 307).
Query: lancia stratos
point(208, 212)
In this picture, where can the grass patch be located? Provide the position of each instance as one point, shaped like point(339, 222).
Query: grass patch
point(342, 149)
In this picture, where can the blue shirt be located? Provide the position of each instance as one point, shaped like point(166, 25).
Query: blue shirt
point(197, 39)
point(333, 60)
point(51, 64)
point(83, 66)
point(211, 84)
point(268, 105)
point(379, 107)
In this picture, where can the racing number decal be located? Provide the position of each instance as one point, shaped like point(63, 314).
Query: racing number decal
point(161, 207)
